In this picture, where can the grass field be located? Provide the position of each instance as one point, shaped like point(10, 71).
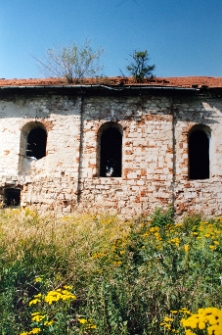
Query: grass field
point(99, 275)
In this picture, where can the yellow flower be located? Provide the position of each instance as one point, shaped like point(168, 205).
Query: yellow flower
point(191, 322)
point(82, 321)
point(38, 279)
point(166, 319)
point(209, 318)
point(48, 323)
point(35, 313)
point(35, 331)
point(174, 312)
point(212, 247)
point(184, 310)
point(175, 241)
point(186, 247)
point(189, 332)
point(38, 318)
point(91, 326)
point(68, 287)
point(34, 302)
point(201, 325)
point(215, 329)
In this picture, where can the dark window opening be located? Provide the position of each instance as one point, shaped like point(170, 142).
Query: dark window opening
point(12, 197)
point(111, 153)
point(199, 155)
point(36, 143)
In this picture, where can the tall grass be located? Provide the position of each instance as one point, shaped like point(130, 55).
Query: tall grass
point(126, 276)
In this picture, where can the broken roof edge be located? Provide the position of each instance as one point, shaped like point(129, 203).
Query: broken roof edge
point(196, 82)
point(116, 88)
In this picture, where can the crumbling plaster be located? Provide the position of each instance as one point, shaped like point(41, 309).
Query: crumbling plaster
point(155, 167)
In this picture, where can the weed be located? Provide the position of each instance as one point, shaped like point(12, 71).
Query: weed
point(128, 276)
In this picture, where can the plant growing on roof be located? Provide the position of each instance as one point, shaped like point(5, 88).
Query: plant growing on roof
point(74, 62)
point(139, 67)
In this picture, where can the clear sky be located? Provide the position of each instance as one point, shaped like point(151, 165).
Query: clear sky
point(183, 37)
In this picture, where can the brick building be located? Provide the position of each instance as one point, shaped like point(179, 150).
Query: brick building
point(112, 144)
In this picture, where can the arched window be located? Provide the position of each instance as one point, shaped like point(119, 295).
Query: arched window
point(198, 147)
point(110, 151)
point(36, 142)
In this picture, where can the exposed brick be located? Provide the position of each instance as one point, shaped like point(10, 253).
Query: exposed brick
point(155, 162)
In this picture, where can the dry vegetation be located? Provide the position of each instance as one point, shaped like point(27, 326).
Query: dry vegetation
point(96, 274)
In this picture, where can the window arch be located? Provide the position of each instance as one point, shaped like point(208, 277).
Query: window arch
point(198, 152)
point(36, 143)
point(110, 150)
point(34, 139)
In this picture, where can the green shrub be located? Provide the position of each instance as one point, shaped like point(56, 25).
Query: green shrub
point(128, 277)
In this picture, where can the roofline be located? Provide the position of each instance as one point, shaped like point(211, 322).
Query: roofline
point(100, 86)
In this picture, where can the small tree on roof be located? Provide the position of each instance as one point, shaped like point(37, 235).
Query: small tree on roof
point(139, 68)
point(73, 62)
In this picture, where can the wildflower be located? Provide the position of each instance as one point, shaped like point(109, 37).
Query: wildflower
point(35, 313)
point(38, 318)
point(166, 319)
point(98, 255)
point(91, 326)
point(191, 322)
point(189, 332)
point(186, 247)
point(175, 241)
point(34, 302)
point(48, 323)
point(184, 310)
point(145, 234)
point(35, 331)
point(209, 318)
point(68, 287)
point(38, 279)
point(82, 321)
point(153, 229)
point(202, 325)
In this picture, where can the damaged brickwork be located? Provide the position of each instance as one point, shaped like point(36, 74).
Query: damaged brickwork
point(153, 124)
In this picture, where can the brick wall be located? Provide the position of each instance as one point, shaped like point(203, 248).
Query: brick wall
point(155, 131)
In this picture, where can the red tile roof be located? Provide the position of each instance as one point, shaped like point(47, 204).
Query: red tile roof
point(212, 82)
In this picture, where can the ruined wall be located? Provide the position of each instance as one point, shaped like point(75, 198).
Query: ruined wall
point(155, 131)
point(52, 179)
point(147, 158)
point(198, 195)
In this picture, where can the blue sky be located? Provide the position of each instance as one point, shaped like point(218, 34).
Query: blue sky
point(183, 37)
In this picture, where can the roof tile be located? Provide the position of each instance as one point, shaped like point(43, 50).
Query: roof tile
point(198, 81)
